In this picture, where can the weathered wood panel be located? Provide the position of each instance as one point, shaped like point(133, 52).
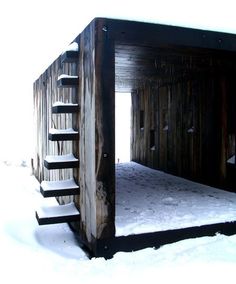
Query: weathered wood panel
point(97, 133)
point(46, 93)
point(192, 115)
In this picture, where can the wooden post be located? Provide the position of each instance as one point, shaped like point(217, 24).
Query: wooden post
point(97, 134)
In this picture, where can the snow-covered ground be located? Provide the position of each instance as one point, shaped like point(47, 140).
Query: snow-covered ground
point(40, 254)
point(149, 200)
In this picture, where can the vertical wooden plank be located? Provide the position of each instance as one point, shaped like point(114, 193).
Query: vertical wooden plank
point(105, 131)
point(87, 178)
point(171, 135)
point(223, 128)
point(164, 126)
point(188, 129)
point(97, 134)
point(46, 93)
point(156, 124)
point(153, 130)
point(147, 120)
point(179, 129)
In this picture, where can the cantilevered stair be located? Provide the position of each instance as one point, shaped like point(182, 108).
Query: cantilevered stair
point(68, 212)
point(63, 134)
point(53, 162)
point(60, 107)
point(59, 188)
point(57, 214)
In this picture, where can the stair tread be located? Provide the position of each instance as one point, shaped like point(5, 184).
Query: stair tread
point(54, 162)
point(57, 185)
point(71, 53)
point(57, 214)
point(67, 81)
point(61, 104)
point(59, 188)
point(60, 158)
point(70, 56)
point(61, 107)
point(66, 76)
point(73, 46)
point(62, 131)
point(63, 135)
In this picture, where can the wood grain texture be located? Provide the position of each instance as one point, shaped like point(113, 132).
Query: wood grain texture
point(191, 120)
point(96, 148)
point(46, 93)
point(183, 110)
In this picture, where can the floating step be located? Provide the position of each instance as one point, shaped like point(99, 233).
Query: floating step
point(52, 162)
point(62, 134)
point(60, 107)
point(59, 188)
point(57, 214)
point(70, 56)
point(67, 81)
point(71, 53)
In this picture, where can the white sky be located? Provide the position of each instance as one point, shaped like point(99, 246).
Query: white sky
point(34, 32)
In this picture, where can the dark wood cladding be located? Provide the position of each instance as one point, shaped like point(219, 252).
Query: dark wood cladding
point(136, 64)
point(97, 133)
point(183, 112)
point(95, 122)
point(146, 34)
point(46, 93)
point(193, 121)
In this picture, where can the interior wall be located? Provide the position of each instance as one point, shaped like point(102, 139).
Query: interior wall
point(185, 127)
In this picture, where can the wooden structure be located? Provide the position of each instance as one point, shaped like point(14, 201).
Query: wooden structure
point(183, 90)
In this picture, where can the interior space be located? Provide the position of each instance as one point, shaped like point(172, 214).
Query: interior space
point(182, 138)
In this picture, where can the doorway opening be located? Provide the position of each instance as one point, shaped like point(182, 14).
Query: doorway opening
point(122, 127)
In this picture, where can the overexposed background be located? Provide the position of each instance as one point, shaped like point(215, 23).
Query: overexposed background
point(34, 33)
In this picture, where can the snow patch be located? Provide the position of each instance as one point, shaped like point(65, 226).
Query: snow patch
point(72, 47)
point(191, 130)
point(58, 103)
point(60, 158)
point(149, 200)
point(231, 160)
point(52, 252)
point(62, 131)
point(57, 210)
point(63, 76)
point(66, 184)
